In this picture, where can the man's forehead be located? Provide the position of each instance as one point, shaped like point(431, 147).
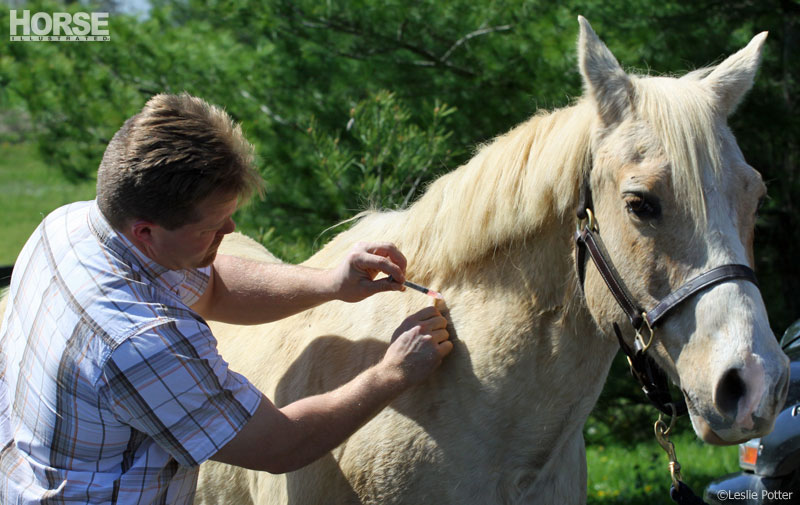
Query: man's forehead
point(216, 207)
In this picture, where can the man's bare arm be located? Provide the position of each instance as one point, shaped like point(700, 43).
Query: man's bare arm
point(244, 291)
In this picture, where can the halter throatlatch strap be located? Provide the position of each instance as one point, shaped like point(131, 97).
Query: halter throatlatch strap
point(652, 379)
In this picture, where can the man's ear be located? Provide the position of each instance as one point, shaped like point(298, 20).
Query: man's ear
point(142, 231)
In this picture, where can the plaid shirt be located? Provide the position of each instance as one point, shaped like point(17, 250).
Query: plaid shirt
point(111, 389)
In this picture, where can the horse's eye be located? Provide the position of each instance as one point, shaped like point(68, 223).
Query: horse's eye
point(760, 205)
point(642, 206)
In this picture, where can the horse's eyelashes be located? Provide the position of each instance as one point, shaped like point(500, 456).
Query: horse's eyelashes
point(642, 206)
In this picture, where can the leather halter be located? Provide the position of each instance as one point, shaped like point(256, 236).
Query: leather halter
point(652, 379)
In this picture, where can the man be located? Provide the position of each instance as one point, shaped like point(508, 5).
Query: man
point(111, 386)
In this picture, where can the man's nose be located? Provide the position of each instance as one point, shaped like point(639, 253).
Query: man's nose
point(229, 227)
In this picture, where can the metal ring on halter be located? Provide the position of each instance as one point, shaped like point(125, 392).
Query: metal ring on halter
point(592, 222)
point(588, 220)
point(639, 337)
point(672, 420)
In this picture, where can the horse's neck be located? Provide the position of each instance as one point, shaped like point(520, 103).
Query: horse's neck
point(501, 227)
point(532, 353)
point(517, 187)
point(524, 299)
point(517, 201)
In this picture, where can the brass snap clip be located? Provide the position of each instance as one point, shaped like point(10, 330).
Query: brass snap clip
point(662, 432)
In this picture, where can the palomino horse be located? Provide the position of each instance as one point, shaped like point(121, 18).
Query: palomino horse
point(501, 420)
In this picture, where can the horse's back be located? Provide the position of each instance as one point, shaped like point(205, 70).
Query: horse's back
point(242, 246)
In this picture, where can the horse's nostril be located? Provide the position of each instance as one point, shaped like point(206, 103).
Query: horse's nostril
point(729, 390)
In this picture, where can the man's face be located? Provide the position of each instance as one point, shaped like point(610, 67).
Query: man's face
point(194, 245)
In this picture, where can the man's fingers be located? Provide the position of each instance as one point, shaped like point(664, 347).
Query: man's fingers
point(373, 262)
point(439, 336)
point(444, 348)
point(388, 250)
point(381, 285)
point(436, 322)
point(430, 319)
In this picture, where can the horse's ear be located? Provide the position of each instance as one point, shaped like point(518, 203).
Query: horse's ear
point(732, 78)
point(603, 77)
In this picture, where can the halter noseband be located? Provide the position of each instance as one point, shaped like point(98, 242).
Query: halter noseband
point(652, 379)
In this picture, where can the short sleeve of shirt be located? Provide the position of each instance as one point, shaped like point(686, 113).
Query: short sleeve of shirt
point(170, 383)
point(192, 286)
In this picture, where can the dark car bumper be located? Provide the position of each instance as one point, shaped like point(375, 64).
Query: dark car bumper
point(750, 489)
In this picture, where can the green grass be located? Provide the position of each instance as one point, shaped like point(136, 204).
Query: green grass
point(29, 190)
point(639, 475)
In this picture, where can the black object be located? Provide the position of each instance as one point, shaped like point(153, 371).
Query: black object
point(5, 275)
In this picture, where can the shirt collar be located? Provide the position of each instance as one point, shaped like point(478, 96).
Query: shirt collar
point(138, 261)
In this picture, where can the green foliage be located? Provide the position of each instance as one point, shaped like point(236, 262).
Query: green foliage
point(384, 157)
point(381, 158)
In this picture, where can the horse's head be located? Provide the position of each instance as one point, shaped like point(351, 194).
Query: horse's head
point(674, 197)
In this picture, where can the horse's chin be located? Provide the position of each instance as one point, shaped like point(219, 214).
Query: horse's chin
point(715, 429)
point(707, 435)
point(704, 431)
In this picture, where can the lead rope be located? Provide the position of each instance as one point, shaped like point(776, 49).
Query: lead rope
point(678, 491)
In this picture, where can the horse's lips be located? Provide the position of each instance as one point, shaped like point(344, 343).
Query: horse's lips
point(703, 429)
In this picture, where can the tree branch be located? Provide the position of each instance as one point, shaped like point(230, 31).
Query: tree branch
point(472, 35)
point(429, 59)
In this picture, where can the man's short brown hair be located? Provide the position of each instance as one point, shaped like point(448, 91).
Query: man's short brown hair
point(166, 159)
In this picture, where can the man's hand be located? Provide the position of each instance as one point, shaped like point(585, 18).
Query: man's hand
point(354, 279)
point(418, 346)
